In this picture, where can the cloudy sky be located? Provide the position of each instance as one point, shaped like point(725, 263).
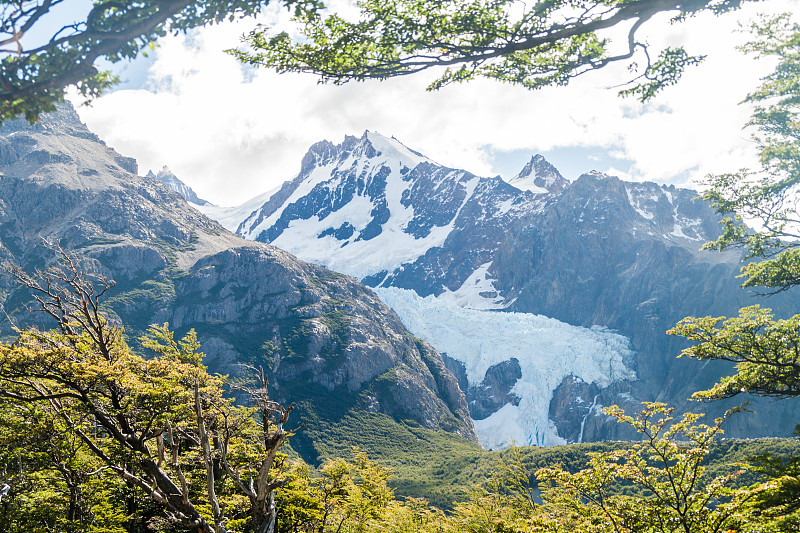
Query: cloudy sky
point(232, 132)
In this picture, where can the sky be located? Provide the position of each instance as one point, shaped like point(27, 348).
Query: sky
point(232, 132)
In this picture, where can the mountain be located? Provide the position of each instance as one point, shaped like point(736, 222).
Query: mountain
point(168, 178)
point(330, 346)
point(618, 262)
point(539, 176)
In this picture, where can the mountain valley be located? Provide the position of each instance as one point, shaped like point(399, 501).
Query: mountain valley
point(532, 303)
point(619, 262)
point(330, 346)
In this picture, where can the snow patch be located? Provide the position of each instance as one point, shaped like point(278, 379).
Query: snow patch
point(360, 258)
point(477, 292)
point(363, 258)
point(548, 350)
point(689, 229)
point(317, 176)
point(527, 184)
point(231, 217)
point(636, 198)
point(391, 148)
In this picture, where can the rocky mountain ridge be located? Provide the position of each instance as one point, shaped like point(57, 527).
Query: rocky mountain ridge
point(321, 334)
point(595, 252)
point(168, 178)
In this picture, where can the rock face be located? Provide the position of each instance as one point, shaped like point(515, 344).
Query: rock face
point(595, 252)
point(320, 333)
point(493, 392)
point(539, 176)
point(369, 205)
point(629, 259)
point(574, 403)
point(168, 178)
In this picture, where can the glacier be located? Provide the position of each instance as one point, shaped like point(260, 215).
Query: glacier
point(548, 350)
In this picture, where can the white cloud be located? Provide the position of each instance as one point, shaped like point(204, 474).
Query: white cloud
point(231, 133)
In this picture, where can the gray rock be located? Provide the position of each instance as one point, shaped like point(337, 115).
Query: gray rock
point(495, 390)
point(574, 403)
point(168, 178)
point(314, 330)
point(598, 251)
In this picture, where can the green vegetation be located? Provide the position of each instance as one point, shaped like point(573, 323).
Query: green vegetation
point(339, 326)
point(295, 334)
point(529, 44)
point(96, 438)
point(100, 241)
point(91, 429)
point(765, 349)
point(171, 248)
point(444, 468)
point(536, 45)
point(34, 75)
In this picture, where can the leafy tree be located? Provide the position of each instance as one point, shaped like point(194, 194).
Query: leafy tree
point(33, 76)
point(666, 467)
point(768, 199)
point(160, 426)
point(506, 504)
point(346, 496)
point(531, 44)
point(658, 485)
point(765, 349)
point(56, 485)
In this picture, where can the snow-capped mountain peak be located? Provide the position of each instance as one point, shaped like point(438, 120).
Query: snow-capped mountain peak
point(539, 177)
point(371, 145)
point(363, 206)
point(371, 206)
point(391, 148)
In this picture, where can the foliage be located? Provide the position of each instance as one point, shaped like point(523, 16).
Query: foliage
point(436, 465)
point(533, 45)
point(159, 427)
point(767, 351)
point(667, 465)
point(96, 438)
point(33, 77)
point(342, 495)
point(776, 504)
point(345, 497)
point(50, 476)
point(769, 198)
point(505, 504)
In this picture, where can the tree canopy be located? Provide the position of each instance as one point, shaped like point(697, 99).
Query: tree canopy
point(761, 210)
point(530, 44)
point(79, 402)
point(34, 76)
point(533, 45)
point(767, 198)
